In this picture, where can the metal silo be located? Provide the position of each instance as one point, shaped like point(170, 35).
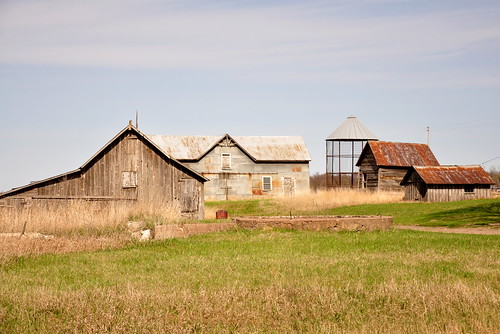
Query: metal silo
point(343, 148)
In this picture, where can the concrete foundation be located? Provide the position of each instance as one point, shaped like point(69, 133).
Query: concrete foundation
point(318, 223)
point(315, 223)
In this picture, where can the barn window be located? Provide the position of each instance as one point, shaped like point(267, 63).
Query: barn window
point(469, 189)
point(267, 183)
point(129, 179)
point(226, 160)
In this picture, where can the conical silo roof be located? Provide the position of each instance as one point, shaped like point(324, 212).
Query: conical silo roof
point(352, 129)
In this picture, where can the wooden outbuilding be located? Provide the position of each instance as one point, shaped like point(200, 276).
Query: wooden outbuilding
point(130, 167)
point(446, 183)
point(383, 165)
point(241, 167)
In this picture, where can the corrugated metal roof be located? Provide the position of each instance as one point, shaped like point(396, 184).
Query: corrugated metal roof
point(261, 148)
point(274, 148)
point(454, 175)
point(352, 129)
point(185, 147)
point(401, 154)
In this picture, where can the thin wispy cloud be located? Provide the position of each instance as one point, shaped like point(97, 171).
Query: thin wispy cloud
point(317, 38)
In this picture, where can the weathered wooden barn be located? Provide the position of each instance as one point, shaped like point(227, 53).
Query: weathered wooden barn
point(382, 165)
point(243, 167)
point(446, 183)
point(130, 167)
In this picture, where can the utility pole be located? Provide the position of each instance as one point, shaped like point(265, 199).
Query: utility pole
point(428, 136)
point(137, 119)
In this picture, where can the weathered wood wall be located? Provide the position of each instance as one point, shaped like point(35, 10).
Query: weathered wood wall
point(390, 178)
point(368, 171)
point(382, 178)
point(417, 190)
point(445, 193)
point(129, 168)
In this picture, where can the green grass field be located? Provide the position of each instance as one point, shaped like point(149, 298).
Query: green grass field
point(273, 281)
point(261, 281)
point(452, 214)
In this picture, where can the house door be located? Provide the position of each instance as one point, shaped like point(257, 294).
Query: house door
point(288, 186)
point(190, 196)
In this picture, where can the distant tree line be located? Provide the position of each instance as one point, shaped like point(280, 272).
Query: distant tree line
point(318, 181)
point(495, 175)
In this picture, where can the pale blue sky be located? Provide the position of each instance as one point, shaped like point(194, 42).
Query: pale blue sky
point(72, 73)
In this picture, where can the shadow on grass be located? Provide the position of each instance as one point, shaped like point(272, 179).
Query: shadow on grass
point(477, 215)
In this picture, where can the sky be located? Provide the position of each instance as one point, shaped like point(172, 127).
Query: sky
point(72, 73)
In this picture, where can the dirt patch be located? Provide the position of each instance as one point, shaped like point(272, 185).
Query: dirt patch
point(459, 230)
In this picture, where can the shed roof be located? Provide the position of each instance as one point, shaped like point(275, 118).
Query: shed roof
point(452, 175)
point(352, 129)
point(393, 154)
point(259, 148)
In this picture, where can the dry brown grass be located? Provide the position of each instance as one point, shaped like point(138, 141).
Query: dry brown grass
point(388, 308)
point(12, 247)
point(311, 203)
point(75, 226)
point(83, 217)
point(326, 199)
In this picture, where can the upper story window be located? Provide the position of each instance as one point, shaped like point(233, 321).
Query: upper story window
point(267, 183)
point(226, 160)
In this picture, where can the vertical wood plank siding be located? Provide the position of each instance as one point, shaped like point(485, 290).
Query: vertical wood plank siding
point(157, 177)
point(417, 190)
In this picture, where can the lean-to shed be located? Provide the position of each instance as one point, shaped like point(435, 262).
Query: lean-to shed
point(243, 166)
point(130, 167)
point(382, 165)
point(446, 183)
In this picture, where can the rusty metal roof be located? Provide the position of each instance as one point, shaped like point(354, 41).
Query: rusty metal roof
point(400, 154)
point(352, 129)
point(453, 174)
point(260, 148)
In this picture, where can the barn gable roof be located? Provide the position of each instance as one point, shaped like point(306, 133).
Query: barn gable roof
point(129, 128)
point(394, 154)
point(258, 148)
point(458, 175)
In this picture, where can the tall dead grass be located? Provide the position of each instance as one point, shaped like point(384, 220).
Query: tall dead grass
point(331, 198)
point(83, 216)
point(388, 308)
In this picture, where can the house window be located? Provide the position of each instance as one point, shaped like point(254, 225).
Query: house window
point(267, 183)
point(129, 179)
point(226, 160)
point(469, 189)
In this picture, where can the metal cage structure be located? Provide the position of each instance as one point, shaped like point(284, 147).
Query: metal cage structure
point(343, 148)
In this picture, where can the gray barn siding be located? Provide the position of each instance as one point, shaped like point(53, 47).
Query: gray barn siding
point(444, 193)
point(244, 178)
point(101, 179)
point(417, 190)
point(368, 172)
point(390, 178)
